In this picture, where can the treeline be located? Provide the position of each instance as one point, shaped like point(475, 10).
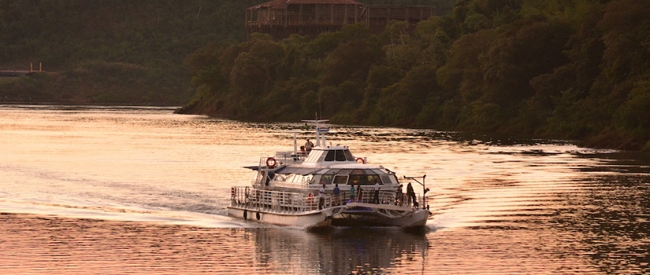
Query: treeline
point(110, 51)
point(576, 69)
point(117, 51)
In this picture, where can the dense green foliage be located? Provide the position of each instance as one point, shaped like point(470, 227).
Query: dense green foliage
point(575, 69)
point(110, 51)
point(117, 51)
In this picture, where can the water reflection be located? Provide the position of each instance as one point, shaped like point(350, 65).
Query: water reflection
point(501, 205)
point(611, 222)
point(342, 250)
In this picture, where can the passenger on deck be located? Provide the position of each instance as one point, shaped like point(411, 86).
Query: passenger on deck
point(337, 193)
point(351, 193)
point(376, 198)
point(359, 193)
point(321, 197)
point(399, 197)
point(410, 193)
point(308, 145)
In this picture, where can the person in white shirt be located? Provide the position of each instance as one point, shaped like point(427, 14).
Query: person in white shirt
point(376, 198)
point(321, 197)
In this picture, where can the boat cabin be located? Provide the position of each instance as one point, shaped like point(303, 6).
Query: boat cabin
point(329, 165)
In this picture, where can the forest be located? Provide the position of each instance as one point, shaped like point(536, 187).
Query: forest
point(110, 51)
point(117, 51)
point(564, 69)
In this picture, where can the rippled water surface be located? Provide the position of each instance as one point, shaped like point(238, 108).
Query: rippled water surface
point(131, 190)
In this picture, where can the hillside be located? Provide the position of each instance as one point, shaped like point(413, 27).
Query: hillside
point(116, 51)
point(110, 51)
point(570, 69)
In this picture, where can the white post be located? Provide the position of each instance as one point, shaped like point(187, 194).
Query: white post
point(295, 144)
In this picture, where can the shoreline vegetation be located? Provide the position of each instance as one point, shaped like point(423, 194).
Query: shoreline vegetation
point(555, 69)
point(558, 69)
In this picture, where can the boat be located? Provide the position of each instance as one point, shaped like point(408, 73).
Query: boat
point(297, 188)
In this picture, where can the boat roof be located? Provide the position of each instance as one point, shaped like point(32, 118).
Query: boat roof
point(306, 170)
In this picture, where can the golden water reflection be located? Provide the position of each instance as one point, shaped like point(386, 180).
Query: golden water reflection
point(143, 191)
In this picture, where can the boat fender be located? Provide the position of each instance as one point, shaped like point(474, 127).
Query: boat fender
point(257, 216)
point(271, 162)
point(360, 160)
point(245, 214)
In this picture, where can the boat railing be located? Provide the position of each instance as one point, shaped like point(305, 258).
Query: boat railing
point(385, 197)
point(368, 196)
point(289, 157)
point(294, 202)
point(277, 201)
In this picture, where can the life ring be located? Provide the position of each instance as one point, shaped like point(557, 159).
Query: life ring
point(310, 198)
point(360, 159)
point(271, 162)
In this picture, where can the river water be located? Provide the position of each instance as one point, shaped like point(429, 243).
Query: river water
point(140, 190)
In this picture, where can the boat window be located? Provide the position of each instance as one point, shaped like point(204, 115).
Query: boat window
point(330, 156)
point(341, 179)
point(357, 172)
point(344, 172)
point(326, 179)
point(358, 180)
point(378, 172)
point(348, 155)
point(333, 171)
point(374, 178)
point(388, 179)
point(340, 155)
point(315, 179)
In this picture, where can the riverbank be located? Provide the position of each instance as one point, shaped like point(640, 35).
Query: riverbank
point(98, 83)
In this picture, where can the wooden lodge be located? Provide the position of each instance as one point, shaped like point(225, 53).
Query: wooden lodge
point(281, 18)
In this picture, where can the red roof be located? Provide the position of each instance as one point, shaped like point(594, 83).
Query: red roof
point(279, 4)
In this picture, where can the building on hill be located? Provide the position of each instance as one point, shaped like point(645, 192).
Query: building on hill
point(281, 18)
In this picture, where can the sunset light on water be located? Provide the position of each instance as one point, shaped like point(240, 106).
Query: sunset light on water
point(103, 190)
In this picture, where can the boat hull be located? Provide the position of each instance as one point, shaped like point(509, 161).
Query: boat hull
point(366, 214)
point(308, 219)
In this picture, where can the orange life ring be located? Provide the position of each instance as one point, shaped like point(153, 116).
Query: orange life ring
point(360, 159)
point(310, 198)
point(270, 162)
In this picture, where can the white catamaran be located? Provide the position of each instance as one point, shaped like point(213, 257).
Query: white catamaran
point(299, 188)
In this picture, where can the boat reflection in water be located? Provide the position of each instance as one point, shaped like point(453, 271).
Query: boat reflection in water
point(341, 250)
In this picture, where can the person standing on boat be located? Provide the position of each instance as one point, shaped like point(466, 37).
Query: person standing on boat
point(337, 193)
point(359, 193)
point(321, 197)
point(308, 146)
point(376, 198)
point(410, 193)
point(399, 196)
point(352, 191)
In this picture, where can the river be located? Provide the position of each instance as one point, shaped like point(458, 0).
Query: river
point(140, 190)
